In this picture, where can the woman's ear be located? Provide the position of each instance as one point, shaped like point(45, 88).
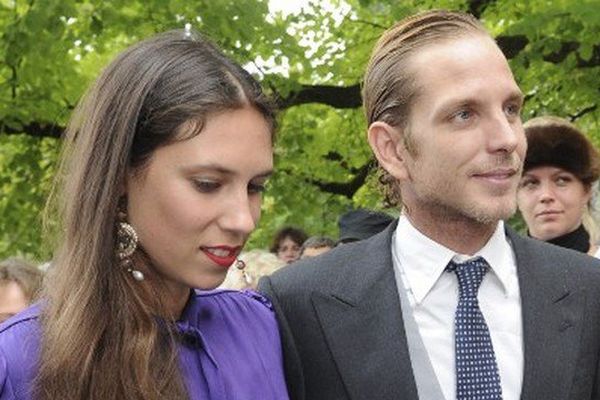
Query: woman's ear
point(387, 143)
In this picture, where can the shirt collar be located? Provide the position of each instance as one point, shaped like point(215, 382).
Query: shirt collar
point(422, 260)
point(188, 327)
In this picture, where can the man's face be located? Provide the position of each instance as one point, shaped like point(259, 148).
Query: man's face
point(466, 139)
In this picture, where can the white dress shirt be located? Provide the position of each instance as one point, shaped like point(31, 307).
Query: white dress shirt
point(419, 265)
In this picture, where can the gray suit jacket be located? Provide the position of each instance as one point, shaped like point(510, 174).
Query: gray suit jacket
point(343, 333)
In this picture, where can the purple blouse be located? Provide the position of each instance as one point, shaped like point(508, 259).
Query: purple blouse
point(231, 349)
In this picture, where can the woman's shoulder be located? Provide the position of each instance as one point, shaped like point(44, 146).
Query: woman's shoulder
point(227, 308)
point(19, 349)
point(236, 299)
point(20, 326)
point(19, 335)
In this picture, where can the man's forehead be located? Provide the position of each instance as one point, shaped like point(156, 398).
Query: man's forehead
point(459, 49)
point(463, 66)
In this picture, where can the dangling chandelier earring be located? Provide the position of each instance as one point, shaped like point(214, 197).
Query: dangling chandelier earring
point(241, 265)
point(127, 241)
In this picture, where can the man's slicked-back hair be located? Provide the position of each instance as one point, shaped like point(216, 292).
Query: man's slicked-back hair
point(390, 85)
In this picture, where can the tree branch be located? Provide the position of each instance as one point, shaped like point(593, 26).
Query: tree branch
point(347, 189)
point(477, 7)
point(334, 96)
point(581, 113)
point(34, 129)
point(373, 24)
point(349, 96)
point(511, 46)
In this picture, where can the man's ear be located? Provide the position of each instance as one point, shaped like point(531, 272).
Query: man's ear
point(387, 143)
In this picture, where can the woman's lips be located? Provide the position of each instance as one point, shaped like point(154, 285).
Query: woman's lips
point(222, 255)
point(548, 213)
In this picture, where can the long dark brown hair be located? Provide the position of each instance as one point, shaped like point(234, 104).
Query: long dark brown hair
point(101, 338)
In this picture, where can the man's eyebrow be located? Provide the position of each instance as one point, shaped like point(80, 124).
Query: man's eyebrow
point(517, 96)
point(456, 103)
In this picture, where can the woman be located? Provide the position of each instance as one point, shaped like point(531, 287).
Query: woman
point(20, 282)
point(160, 192)
point(554, 196)
point(287, 243)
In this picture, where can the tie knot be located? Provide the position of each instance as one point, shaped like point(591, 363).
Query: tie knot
point(470, 274)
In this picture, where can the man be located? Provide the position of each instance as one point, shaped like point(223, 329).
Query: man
point(447, 303)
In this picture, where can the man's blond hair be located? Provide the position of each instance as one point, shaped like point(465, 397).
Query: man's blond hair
point(390, 85)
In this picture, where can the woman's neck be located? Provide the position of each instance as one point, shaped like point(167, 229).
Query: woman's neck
point(579, 240)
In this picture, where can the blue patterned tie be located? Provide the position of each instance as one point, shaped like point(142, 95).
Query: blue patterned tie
point(477, 376)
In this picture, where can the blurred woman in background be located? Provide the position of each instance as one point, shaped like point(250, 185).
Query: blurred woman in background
point(255, 264)
point(556, 190)
point(287, 243)
point(20, 283)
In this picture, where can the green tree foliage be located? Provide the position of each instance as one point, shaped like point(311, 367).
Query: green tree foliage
point(312, 61)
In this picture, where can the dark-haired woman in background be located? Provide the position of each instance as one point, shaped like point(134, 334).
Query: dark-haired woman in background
point(555, 192)
point(287, 243)
point(159, 194)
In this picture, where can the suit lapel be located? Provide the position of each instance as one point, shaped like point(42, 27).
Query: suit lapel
point(552, 319)
point(363, 325)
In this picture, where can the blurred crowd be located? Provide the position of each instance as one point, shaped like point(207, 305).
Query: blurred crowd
point(291, 244)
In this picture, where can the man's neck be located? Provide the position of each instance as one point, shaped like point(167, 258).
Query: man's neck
point(458, 233)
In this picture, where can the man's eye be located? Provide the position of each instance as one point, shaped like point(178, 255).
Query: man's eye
point(463, 115)
point(513, 110)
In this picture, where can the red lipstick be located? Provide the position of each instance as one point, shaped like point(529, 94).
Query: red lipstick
point(222, 255)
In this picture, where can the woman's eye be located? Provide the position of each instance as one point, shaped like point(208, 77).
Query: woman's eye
point(528, 184)
point(206, 186)
point(256, 187)
point(563, 180)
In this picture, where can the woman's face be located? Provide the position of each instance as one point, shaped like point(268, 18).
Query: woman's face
point(195, 203)
point(288, 250)
point(552, 201)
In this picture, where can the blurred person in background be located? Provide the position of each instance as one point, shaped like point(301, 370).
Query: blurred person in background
point(559, 178)
point(316, 245)
point(20, 282)
point(361, 224)
point(158, 195)
point(250, 267)
point(287, 243)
